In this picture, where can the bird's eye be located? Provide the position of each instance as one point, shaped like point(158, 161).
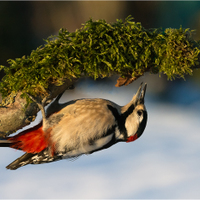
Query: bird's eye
point(139, 112)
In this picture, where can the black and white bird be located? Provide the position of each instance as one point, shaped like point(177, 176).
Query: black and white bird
point(79, 127)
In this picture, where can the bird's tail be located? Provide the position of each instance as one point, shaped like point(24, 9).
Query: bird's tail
point(19, 162)
point(5, 143)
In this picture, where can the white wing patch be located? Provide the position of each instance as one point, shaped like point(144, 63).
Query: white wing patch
point(86, 149)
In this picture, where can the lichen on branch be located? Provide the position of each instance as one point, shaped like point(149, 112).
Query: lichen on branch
point(99, 49)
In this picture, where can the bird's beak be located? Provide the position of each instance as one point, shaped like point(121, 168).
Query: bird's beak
point(139, 97)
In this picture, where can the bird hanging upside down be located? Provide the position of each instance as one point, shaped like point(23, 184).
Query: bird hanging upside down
point(79, 127)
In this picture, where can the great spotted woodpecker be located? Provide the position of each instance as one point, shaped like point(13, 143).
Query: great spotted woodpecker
point(79, 127)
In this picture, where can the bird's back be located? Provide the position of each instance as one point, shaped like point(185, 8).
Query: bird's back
point(82, 123)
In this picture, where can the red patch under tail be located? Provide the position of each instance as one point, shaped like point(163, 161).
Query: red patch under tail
point(32, 140)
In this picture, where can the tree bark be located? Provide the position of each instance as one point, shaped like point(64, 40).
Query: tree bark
point(15, 115)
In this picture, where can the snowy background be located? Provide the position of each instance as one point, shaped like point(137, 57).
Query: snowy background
point(163, 163)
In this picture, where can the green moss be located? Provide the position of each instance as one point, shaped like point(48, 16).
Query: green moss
point(99, 49)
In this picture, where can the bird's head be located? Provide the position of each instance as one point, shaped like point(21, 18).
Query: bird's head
point(135, 115)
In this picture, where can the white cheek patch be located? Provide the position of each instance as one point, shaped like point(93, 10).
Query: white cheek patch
point(141, 118)
point(131, 124)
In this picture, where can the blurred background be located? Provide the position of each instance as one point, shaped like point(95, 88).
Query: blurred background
point(25, 25)
point(164, 162)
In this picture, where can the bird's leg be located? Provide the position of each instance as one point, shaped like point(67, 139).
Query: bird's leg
point(41, 106)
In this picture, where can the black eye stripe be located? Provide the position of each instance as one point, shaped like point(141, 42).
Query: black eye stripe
point(119, 119)
point(128, 112)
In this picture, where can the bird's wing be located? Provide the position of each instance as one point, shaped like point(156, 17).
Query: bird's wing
point(21, 161)
point(83, 122)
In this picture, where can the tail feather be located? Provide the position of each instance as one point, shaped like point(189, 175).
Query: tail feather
point(19, 162)
point(5, 143)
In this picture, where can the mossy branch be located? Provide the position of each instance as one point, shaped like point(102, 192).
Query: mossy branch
point(99, 49)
